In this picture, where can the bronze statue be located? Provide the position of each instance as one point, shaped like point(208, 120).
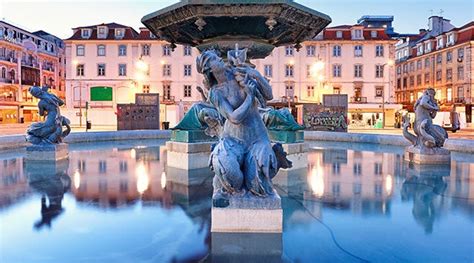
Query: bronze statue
point(427, 134)
point(51, 130)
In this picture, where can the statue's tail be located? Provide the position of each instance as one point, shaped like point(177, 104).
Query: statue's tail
point(409, 136)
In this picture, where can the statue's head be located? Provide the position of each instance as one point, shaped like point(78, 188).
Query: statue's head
point(36, 91)
point(210, 64)
point(430, 92)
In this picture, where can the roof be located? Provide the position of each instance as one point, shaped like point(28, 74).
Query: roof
point(130, 33)
point(330, 33)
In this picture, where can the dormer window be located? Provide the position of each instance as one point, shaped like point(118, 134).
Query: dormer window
point(101, 32)
point(450, 40)
point(85, 33)
point(357, 34)
point(428, 47)
point(339, 34)
point(440, 43)
point(419, 50)
point(119, 33)
point(152, 35)
point(373, 34)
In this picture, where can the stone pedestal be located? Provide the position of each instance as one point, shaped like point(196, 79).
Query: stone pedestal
point(297, 153)
point(188, 156)
point(246, 247)
point(188, 177)
point(47, 152)
point(248, 214)
point(424, 155)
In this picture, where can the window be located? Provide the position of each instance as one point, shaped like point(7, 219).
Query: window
point(427, 78)
point(85, 33)
point(187, 91)
point(339, 34)
point(427, 62)
point(289, 91)
point(399, 70)
point(80, 70)
point(418, 64)
point(102, 166)
point(288, 70)
point(187, 50)
point(289, 51)
point(166, 50)
point(378, 91)
point(357, 169)
point(460, 54)
point(439, 59)
point(405, 83)
point(268, 70)
point(336, 90)
point(418, 80)
point(412, 66)
point(308, 71)
point(336, 70)
point(101, 30)
point(146, 88)
point(101, 70)
point(460, 92)
point(122, 50)
point(167, 91)
point(460, 73)
point(449, 74)
point(119, 33)
point(379, 51)
point(145, 50)
point(4, 73)
point(310, 51)
point(358, 51)
point(100, 50)
point(187, 70)
point(123, 167)
point(358, 71)
point(379, 71)
point(438, 75)
point(336, 51)
point(80, 50)
point(449, 57)
point(167, 70)
point(450, 39)
point(419, 50)
point(449, 94)
point(373, 34)
point(310, 91)
point(439, 43)
point(357, 34)
point(428, 47)
point(122, 69)
point(357, 189)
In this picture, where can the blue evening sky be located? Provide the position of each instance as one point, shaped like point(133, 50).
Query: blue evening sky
point(58, 17)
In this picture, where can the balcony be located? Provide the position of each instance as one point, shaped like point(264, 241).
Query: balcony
point(7, 98)
point(11, 81)
point(167, 100)
point(48, 68)
point(358, 99)
point(9, 59)
point(32, 64)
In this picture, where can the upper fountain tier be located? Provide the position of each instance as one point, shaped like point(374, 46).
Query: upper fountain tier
point(259, 25)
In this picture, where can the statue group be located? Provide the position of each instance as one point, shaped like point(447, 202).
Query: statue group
point(234, 109)
point(51, 130)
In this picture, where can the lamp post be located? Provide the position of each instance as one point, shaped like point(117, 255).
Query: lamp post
point(390, 63)
point(75, 62)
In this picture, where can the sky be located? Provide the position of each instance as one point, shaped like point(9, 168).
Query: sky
point(58, 17)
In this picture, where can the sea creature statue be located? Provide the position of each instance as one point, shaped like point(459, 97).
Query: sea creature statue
point(244, 161)
point(427, 134)
point(51, 130)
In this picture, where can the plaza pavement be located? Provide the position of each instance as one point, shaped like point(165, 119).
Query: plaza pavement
point(19, 129)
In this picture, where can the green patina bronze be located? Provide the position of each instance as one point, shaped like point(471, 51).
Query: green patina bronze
point(286, 136)
point(191, 136)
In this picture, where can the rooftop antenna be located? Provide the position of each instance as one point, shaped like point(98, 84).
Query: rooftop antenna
point(441, 11)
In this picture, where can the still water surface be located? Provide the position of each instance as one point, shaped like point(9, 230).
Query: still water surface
point(118, 202)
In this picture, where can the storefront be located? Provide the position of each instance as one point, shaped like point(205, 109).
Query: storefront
point(371, 115)
point(8, 114)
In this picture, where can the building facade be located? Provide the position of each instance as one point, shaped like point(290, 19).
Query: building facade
point(27, 59)
point(441, 58)
point(115, 59)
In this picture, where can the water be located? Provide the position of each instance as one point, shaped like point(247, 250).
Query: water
point(116, 202)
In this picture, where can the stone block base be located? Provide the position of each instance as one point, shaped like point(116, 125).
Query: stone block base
point(286, 136)
point(422, 155)
point(48, 152)
point(188, 177)
point(246, 247)
point(190, 136)
point(247, 214)
point(297, 153)
point(188, 156)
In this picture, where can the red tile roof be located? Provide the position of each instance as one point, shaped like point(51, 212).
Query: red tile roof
point(330, 32)
point(130, 33)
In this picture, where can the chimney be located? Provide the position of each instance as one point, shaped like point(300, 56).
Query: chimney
point(422, 31)
point(438, 25)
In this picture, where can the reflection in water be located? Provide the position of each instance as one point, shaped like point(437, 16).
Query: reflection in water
point(351, 198)
point(51, 181)
point(425, 185)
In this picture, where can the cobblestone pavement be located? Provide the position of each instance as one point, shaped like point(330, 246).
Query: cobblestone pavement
point(18, 129)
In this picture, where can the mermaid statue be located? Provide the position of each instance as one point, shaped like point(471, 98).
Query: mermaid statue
point(244, 161)
point(51, 130)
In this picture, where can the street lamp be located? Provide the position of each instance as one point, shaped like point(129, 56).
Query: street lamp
point(75, 62)
point(390, 63)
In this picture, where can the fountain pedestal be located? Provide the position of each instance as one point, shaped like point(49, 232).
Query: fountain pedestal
point(247, 214)
point(258, 247)
point(424, 155)
point(48, 152)
point(188, 156)
point(293, 144)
